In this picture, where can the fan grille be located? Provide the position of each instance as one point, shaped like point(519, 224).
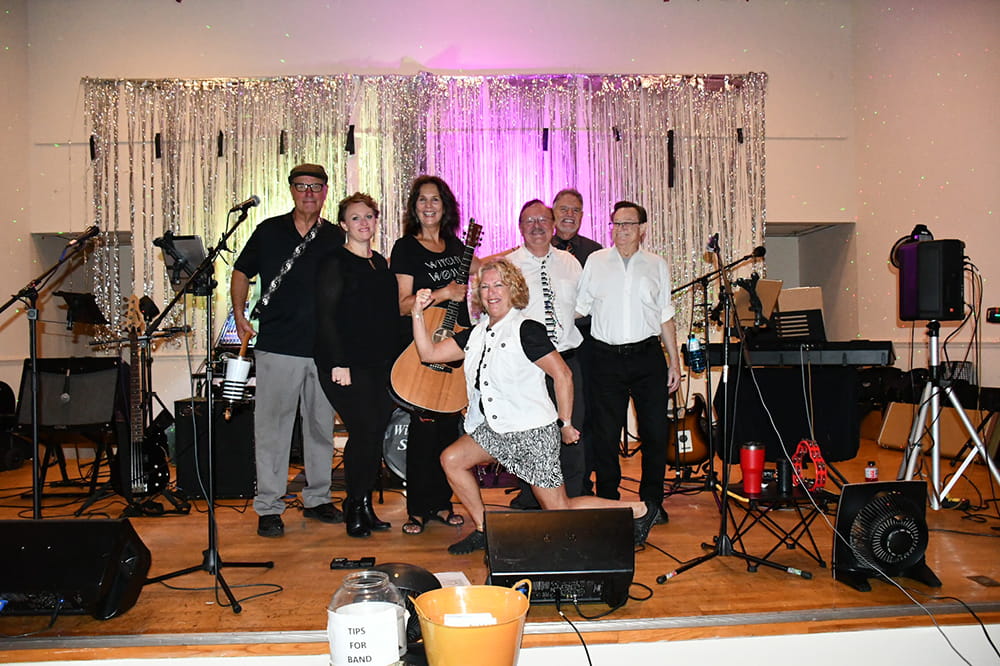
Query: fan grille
point(889, 533)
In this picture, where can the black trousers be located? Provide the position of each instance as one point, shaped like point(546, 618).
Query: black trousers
point(427, 489)
point(638, 371)
point(364, 408)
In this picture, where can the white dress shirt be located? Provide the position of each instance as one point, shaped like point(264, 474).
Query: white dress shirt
point(628, 303)
point(564, 276)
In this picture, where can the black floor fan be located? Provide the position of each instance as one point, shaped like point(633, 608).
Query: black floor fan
point(881, 531)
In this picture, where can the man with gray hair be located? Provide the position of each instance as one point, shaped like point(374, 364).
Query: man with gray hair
point(627, 291)
point(285, 252)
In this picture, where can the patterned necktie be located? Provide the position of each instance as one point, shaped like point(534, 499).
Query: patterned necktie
point(551, 322)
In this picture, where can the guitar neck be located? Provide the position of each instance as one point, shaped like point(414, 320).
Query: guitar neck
point(472, 239)
point(136, 417)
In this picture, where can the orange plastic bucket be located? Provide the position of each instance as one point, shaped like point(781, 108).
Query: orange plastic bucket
point(473, 624)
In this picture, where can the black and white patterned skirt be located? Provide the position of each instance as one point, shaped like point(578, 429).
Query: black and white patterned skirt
point(531, 455)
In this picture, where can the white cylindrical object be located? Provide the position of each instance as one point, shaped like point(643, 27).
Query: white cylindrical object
point(237, 371)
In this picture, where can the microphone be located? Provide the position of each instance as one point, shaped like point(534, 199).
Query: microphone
point(759, 251)
point(242, 207)
point(87, 234)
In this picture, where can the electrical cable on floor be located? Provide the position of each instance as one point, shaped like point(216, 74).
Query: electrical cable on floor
point(881, 574)
point(573, 626)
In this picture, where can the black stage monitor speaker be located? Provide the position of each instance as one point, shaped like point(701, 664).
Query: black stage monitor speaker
point(51, 567)
point(585, 555)
point(235, 473)
point(931, 281)
point(76, 391)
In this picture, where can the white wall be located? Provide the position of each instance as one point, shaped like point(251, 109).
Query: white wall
point(927, 85)
point(928, 70)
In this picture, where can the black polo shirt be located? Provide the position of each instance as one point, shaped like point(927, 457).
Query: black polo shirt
point(288, 324)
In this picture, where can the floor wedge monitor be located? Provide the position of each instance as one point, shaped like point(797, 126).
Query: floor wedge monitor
point(52, 567)
point(585, 555)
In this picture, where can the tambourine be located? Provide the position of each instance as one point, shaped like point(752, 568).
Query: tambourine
point(808, 446)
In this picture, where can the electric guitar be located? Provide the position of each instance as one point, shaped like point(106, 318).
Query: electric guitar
point(436, 387)
point(688, 440)
point(139, 467)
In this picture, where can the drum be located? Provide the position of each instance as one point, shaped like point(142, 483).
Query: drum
point(394, 444)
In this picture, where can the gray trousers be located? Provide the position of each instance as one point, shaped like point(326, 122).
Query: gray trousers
point(283, 383)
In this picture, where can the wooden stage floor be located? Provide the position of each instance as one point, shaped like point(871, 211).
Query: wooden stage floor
point(717, 599)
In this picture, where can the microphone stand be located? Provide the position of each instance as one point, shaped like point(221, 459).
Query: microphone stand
point(29, 296)
point(723, 542)
point(211, 560)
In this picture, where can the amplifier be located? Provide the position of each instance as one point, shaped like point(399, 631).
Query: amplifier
point(235, 469)
point(585, 555)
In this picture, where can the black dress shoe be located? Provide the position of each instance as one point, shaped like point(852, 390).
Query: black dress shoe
point(354, 518)
point(326, 513)
point(476, 540)
point(270, 526)
point(642, 525)
point(368, 512)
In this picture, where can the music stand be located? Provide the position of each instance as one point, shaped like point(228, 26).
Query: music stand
point(81, 309)
point(182, 255)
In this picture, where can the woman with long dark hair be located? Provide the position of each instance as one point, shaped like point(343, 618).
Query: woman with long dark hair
point(429, 256)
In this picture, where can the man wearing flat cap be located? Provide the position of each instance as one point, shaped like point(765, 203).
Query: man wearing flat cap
point(284, 251)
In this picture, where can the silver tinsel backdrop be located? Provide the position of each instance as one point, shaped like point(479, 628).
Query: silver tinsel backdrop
point(174, 154)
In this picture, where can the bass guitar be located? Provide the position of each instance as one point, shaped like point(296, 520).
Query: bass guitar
point(139, 467)
point(688, 439)
point(436, 387)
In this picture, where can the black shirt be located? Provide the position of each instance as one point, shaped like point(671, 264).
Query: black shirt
point(288, 324)
point(579, 246)
point(431, 270)
point(357, 309)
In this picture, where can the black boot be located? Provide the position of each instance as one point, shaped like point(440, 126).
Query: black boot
point(368, 512)
point(354, 518)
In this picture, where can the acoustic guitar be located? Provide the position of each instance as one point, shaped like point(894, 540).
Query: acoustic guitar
point(436, 387)
point(139, 468)
point(688, 439)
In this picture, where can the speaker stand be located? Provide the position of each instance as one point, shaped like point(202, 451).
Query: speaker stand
point(201, 282)
point(930, 405)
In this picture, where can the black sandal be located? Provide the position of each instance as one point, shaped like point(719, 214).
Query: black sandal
point(413, 526)
point(452, 519)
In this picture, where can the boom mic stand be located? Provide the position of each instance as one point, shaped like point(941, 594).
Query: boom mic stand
point(29, 296)
point(723, 542)
point(200, 282)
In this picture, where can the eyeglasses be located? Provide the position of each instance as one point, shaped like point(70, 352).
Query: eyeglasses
point(312, 187)
point(540, 221)
point(625, 225)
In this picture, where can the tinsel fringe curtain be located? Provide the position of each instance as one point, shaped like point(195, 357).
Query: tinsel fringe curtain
point(176, 154)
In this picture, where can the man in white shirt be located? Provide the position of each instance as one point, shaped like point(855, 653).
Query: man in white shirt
point(627, 291)
point(552, 276)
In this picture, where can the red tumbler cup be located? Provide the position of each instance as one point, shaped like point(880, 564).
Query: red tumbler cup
point(752, 465)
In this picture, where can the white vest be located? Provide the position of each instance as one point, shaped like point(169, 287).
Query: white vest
point(512, 389)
